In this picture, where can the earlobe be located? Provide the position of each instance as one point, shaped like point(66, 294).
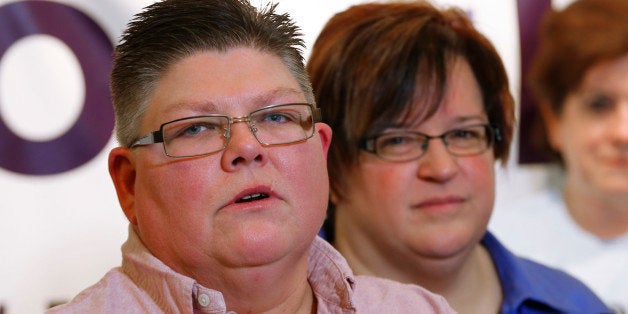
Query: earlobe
point(333, 198)
point(325, 134)
point(122, 172)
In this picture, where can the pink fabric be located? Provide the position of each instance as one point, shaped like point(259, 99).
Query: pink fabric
point(143, 284)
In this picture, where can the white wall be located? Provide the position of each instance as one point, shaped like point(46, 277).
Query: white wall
point(61, 232)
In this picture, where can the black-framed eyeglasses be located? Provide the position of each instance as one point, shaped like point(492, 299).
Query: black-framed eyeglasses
point(202, 135)
point(403, 146)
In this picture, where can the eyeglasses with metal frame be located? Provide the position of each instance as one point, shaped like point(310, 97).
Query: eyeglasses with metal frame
point(207, 134)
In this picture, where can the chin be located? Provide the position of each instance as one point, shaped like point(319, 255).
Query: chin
point(263, 247)
point(447, 244)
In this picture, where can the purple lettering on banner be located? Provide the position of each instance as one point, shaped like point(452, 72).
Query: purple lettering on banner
point(530, 15)
point(93, 49)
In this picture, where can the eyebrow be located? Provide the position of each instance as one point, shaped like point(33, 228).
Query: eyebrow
point(200, 107)
point(474, 117)
point(268, 98)
point(408, 123)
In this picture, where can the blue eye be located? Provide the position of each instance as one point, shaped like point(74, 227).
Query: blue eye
point(194, 129)
point(276, 117)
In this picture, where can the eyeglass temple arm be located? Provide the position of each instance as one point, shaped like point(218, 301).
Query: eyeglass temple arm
point(498, 134)
point(316, 114)
point(150, 138)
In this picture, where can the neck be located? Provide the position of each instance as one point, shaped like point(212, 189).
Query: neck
point(603, 215)
point(469, 283)
point(470, 286)
point(475, 287)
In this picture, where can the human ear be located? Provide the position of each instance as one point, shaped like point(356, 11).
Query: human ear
point(324, 133)
point(122, 172)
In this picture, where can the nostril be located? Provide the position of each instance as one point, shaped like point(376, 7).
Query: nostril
point(242, 160)
point(237, 160)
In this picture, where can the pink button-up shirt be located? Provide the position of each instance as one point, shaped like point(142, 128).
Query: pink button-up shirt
point(143, 284)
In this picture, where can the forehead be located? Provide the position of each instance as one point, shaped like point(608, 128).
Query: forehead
point(462, 98)
point(608, 74)
point(232, 82)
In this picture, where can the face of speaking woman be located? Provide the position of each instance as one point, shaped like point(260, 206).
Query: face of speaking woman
point(190, 212)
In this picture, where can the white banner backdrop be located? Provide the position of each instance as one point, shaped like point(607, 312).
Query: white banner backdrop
point(60, 225)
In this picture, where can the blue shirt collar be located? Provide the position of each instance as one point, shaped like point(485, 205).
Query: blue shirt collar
point(525, 281)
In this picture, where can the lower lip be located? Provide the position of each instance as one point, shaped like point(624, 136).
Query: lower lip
point(252, 206)
point(439, 206)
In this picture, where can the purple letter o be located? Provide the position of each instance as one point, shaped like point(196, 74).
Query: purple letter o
point(93, 49)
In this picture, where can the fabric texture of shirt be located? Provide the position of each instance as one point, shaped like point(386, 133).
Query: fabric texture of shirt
point(540, 228)
point(531, 288)
point(143, 284)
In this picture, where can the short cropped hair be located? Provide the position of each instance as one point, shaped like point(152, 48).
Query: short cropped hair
point(571, 41)
point(168, 31)
point(372, 64)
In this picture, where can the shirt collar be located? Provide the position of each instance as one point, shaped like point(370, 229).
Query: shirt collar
point(521, 283)
point(330, 276)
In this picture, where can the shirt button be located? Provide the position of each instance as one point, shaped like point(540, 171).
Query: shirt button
point(203, 300)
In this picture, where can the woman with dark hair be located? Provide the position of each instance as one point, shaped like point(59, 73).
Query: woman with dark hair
point(421, 111)
point(580, 78)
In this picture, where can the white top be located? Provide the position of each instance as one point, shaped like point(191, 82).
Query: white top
point(540, 228)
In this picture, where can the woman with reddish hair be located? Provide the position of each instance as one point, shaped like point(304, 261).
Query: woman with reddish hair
point(580, 78)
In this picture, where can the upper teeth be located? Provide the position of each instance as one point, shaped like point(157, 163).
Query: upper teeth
point(248, 197)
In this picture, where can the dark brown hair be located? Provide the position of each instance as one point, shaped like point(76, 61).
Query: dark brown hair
point(373, 63)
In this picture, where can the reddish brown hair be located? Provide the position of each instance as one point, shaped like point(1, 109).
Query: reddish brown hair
point(571, 41)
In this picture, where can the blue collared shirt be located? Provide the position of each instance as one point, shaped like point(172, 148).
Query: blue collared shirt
point(531, 288)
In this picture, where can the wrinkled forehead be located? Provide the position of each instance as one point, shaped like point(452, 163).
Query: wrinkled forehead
point(233, 82)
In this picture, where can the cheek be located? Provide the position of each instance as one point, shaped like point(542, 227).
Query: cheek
point(484, 170)
point(168, 190)
point(479, 175)
point(385, 179)
point(580, 144)
point(380, 190)
point(580, 132)
point(304, 175)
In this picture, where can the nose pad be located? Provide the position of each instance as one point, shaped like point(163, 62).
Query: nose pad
point(245, 132)
point(253, 128)
point(242, 148)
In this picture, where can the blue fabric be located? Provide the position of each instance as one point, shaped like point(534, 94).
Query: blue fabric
point(531, 288)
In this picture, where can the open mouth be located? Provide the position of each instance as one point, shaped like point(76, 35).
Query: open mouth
point(252, 197)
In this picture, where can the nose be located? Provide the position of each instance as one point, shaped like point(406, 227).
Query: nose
point(620, 125)
point(437, 164)
point(243, 149)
